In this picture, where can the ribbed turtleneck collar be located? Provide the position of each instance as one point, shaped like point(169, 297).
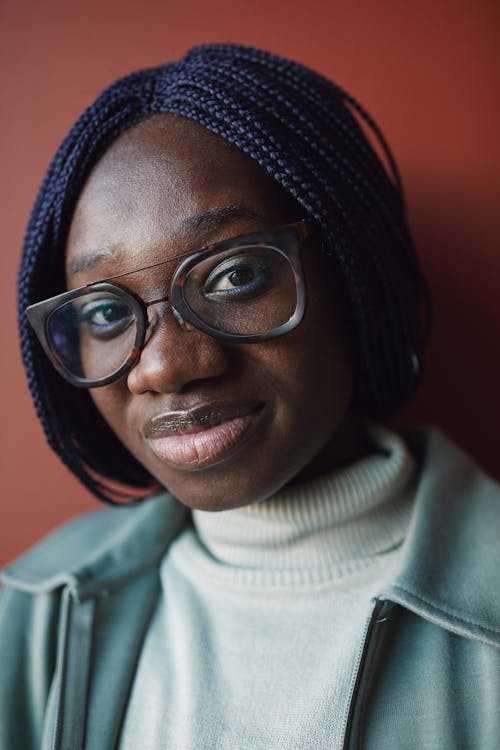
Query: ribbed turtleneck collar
point(332, 522)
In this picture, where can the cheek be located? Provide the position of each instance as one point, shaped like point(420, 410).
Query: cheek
point(313, 378)
point(325, 384)
point(112, 403)
point(327, 326)
point(321, 363)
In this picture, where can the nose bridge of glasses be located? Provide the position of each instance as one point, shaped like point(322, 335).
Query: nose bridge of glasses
point(156, 301)
point(168, 306)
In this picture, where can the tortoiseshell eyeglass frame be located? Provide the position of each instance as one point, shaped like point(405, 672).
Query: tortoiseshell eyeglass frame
point(286, 240)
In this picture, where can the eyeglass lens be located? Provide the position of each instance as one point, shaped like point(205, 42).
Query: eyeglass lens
point(93, 335)
point(242, 291)
point(246, 291)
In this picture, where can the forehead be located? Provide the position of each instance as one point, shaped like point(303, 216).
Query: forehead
point(157, 175)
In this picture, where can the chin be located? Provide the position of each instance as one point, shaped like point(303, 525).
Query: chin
point(218, 493)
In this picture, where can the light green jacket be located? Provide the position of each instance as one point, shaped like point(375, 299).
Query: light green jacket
point(75, 609)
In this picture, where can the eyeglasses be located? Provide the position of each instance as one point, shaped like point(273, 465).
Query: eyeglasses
point(245, 290)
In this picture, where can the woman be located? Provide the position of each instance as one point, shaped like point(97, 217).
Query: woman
point(220, 272)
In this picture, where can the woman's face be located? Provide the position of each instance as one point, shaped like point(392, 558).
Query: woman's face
point(220, 425)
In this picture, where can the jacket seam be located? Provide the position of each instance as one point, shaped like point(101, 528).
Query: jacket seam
point(82, 587)
point(4, 602)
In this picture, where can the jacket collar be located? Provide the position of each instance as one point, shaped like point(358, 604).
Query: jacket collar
point(100, 550)
point(450, 563)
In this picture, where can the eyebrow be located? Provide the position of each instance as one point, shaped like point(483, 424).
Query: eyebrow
point(207, 221)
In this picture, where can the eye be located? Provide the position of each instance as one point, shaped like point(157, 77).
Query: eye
point(106, 318)
point(240, 277)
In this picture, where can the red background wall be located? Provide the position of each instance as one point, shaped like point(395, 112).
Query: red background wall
point(426, 71)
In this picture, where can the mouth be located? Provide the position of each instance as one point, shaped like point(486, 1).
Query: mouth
point(203, 436)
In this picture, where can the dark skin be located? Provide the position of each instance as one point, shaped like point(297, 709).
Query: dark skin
point(151, 196)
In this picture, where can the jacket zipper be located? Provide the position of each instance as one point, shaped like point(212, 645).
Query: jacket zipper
point(74, 658)
point(370, 641)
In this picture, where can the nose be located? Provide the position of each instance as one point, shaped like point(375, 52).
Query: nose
point(176, 355)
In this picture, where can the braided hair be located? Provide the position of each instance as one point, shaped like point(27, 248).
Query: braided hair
point(306, 133)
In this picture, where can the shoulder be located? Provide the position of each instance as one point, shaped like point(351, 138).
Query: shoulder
point(46, 590)
point(442, 459)
point(452, 552)
point(99, 547)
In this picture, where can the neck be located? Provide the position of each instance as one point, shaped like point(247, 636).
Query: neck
point(350, 443)
point(342, 518)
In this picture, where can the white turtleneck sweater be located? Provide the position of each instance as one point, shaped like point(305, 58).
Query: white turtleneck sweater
point(259, 625)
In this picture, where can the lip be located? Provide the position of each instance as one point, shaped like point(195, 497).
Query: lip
point(204, 435)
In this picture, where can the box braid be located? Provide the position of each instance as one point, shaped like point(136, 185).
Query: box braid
point(307, 133)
